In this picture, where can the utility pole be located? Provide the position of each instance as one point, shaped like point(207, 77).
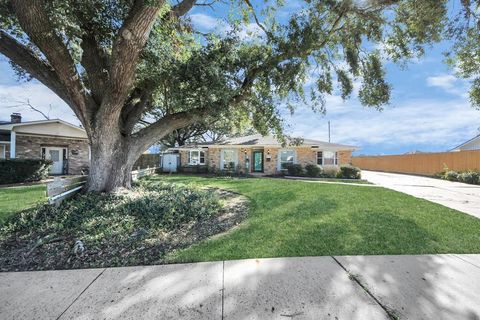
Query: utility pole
point(328, 130)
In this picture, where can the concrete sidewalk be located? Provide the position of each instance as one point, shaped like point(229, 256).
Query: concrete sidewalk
point(459, 196)
point(346, 287)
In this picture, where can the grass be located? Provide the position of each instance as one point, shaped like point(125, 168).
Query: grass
point(16, 199)
point(295, 218)
point(357, 181)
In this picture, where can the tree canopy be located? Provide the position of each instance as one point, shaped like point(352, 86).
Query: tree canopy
point(115, 63)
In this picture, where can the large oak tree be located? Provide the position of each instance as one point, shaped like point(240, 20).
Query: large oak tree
point(116, 62)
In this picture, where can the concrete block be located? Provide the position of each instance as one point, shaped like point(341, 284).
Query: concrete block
point(421, 286)
point(294, 288)
point(182, 291)
point(41, 294)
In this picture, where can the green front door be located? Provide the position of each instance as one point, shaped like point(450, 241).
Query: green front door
point(257, 161)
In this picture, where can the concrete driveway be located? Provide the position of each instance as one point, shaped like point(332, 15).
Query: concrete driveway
point(337, 287)
point(460, 196)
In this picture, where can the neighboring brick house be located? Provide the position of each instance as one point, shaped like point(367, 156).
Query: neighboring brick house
point(57, 140)
point(261, 154)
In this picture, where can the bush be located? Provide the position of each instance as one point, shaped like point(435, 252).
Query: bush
point(294, 169)
point(470, 177)
point(451, 175)
point(329, 172)
point(313, 170)
point(349, 172)
point(23, 170)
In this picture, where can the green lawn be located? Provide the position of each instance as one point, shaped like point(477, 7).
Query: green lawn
point(295, 218)
point(15, 199)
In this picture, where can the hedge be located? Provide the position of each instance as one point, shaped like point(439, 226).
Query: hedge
point(23, 170)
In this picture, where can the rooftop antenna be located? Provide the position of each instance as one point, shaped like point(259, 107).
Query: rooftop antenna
point(328, 130)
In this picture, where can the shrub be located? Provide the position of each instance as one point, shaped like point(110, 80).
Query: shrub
point(294, 169)
point(451, 175)
point(349, 172)
point(313, 170)
point(23, 170)
point(329, 172)
point(470, 177)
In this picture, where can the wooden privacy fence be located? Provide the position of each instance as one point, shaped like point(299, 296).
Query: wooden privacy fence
point(147, 161)
point(421, 163)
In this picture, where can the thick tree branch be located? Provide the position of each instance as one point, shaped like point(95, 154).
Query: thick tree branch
point(134, 110)
point(182, 8)
point(35, 22)
point(129, 42)
point(144, 138)
point(29, 61)
point(95, 62)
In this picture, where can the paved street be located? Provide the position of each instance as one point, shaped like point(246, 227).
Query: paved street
point(346, 287)
point(460, 196)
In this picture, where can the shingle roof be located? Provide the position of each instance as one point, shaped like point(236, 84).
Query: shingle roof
point(259, 140)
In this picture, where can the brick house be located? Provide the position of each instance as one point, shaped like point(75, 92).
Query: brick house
point(261, 154)
point(57, 140)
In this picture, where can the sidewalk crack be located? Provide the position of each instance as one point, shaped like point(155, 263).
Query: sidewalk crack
point(75, 300)
point(461, 258)
point(390, 313)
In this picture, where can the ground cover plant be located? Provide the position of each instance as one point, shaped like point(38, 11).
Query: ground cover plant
point(298, 218)
point(97, 230)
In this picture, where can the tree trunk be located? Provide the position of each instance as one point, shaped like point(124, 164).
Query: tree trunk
point(112, 157)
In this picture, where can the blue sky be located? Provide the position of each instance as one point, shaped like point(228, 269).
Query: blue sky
point(429, 109)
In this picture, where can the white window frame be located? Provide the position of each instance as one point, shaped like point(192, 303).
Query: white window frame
point(190, 162)
point(3, 155)
point(222, 158)
point(279, 158)
point(335, 158)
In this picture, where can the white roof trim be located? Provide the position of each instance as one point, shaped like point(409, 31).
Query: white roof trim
point(465, 143)
point(10, 126)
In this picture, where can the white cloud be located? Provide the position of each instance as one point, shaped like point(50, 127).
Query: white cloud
point(423, 123)
point(205, 22)
point(449, 83)
point(39, 96)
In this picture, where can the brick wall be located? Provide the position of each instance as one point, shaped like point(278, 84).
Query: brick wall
point(31, 147)
point(344, 157)
point(304, 156)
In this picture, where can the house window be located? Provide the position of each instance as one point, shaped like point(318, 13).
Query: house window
point(229, 159)
point(319, 158)
point(286, 157)
point(327, 158)
point(196, 157)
